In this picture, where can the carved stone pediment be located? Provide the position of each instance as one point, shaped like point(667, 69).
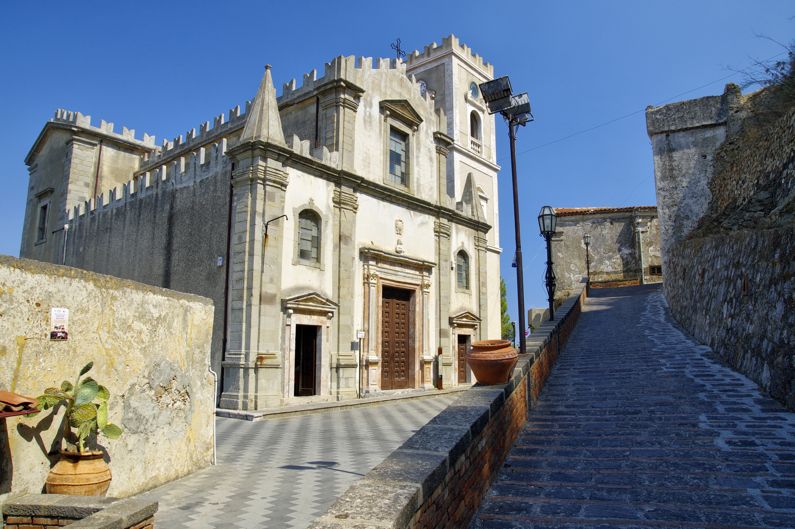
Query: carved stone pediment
point(465, 319)
point(402, 110)
point(311, 302)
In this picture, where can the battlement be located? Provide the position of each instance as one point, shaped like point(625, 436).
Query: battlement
point(349, 68)
point(76, 118)
point(450, 43)
point(222, 124)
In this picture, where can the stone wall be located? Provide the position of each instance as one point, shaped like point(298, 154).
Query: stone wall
point(437, 479)
point(613, 250)
point(150, 348)
point(730, 275)
point(41, 511)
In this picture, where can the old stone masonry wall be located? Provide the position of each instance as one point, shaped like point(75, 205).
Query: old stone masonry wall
point(730, 282)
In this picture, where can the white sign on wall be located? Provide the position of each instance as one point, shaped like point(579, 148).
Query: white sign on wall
point(59, 324)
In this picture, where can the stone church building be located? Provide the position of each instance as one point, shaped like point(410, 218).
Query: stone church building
point(346, 230)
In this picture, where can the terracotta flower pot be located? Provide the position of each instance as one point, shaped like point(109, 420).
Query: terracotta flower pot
point(492, 361)
point(78, 474)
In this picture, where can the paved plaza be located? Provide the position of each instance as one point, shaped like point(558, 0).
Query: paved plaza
point(639, 427)
point(283, 473)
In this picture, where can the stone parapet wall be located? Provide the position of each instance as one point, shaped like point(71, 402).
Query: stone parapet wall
point(150, 348)
point(43, 511)
point(736, 293)
point(437, 479)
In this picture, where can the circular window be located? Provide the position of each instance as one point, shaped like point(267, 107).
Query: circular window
point(474, 91)
point(423, 88)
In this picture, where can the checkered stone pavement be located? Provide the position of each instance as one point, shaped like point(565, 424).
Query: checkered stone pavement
point(283, 473)
point(639, 427)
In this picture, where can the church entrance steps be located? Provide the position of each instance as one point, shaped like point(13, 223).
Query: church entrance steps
point(314, 406)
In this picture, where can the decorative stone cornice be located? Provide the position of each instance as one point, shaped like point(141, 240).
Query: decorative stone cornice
point(441, 229)
point(278, 178)
point(345, 200)
point(377, 255)
point(263, 174)
point(481, 242)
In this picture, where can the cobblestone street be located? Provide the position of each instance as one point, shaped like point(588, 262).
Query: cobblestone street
point(282, 473)
point(639, 428)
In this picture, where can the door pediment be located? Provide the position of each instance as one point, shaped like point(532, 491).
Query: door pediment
point(465, 319)
point(310, 302)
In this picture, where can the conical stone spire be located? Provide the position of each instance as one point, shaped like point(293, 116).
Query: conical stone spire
point(263, 122)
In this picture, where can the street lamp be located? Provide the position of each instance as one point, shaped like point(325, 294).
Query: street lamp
point(587, 240)
point(499, 98)
point(547, 222)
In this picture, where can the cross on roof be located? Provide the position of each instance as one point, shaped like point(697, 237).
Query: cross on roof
point(398, 50)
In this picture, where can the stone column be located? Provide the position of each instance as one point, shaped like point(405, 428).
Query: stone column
point(252, 358)
point(483, 293)
point(441, 229)
point(343, 273)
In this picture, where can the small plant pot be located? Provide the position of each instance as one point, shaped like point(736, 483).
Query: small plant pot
point(78, 474)
point(492, 361)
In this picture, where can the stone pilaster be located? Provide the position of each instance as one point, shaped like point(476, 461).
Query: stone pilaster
point(252, 360)
point(441, 229)
point(483, 292)
point(371, 369)
point(338, 107)
point(443, 142)
point(343, 275)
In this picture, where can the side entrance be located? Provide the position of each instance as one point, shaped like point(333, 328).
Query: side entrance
point(397, 344)
point(306, 360)
point(463, 348)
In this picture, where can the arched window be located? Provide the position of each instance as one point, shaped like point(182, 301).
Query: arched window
point(462, 270)
point(474, 126)
point(474, 91)
point(309, 236)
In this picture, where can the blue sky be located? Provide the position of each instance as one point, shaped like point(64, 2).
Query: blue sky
point(165, 67)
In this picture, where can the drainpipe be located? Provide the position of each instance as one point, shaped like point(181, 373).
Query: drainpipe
point(226, 283)
point(65, 238)
point(96, 173)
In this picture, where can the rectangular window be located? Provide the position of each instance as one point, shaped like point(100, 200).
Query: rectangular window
point(398, 157)
point(41, 226)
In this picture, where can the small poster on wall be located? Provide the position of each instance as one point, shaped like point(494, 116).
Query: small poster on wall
point(59, 324)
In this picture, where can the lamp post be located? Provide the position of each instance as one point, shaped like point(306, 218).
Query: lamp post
point(547, 222)
point(499, 98)
point(587, 240)
point(640, 231)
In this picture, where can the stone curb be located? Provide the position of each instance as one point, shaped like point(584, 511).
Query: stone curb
point(306, 409)
point(90, 512)
point(390, 494)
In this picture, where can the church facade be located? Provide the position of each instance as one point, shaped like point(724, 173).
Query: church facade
point(346, 229)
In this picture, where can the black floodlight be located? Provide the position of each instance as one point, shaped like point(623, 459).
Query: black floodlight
point(497, 94)
point(520, 105)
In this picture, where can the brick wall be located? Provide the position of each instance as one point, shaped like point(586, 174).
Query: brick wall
point(437, 479)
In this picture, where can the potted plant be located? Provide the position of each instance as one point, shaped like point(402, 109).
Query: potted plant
point(81, 471)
